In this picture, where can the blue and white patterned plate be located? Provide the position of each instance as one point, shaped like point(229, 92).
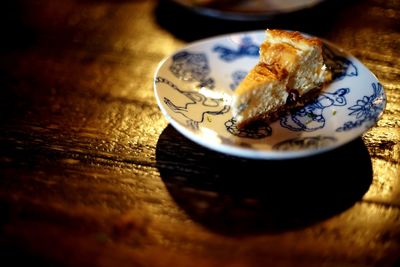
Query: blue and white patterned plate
point(194, 89)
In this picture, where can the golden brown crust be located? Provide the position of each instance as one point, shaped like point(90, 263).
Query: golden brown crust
point(275, 71)
point(261, 70)
point(278, 56)
point(295, 36)
point(258, 75)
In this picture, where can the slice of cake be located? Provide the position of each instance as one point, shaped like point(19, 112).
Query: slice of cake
point(290, 71)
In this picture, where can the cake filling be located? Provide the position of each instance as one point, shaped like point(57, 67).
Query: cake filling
point(289, 71)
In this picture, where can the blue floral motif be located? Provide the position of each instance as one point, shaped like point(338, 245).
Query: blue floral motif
point(192, 67)
point(308, 142)
point(366, 110)
point(197, 106)
point(237, 77)
point(310, 117)
point(246, 48)
point(339, 65)
point(255, 132)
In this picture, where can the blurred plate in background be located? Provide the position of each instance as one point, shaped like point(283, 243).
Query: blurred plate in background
point(246, 9)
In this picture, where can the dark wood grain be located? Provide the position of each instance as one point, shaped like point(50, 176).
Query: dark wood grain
point(91, 174)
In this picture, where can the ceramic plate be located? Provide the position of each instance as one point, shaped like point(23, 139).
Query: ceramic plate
point(248, 9)
point(194, 89)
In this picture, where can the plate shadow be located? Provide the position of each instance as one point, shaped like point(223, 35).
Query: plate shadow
point(237, 196)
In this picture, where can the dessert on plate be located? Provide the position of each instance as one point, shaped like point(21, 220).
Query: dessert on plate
point(290, 72)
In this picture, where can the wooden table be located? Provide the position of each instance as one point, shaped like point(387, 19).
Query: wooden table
point(92, 174)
